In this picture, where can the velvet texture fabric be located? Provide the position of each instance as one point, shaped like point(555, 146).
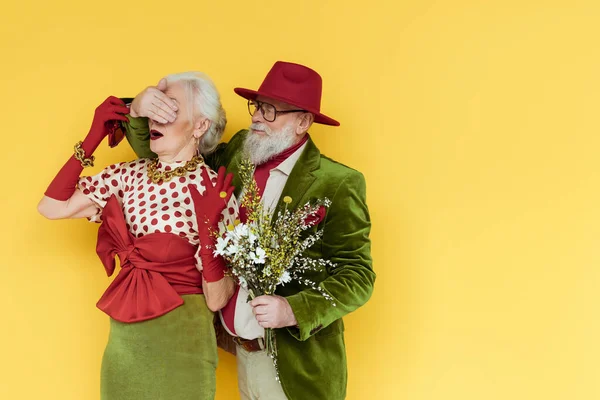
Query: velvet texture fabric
point(170, 357)
point(312, 357)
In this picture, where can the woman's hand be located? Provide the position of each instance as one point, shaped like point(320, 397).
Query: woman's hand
point(153, 103)
point(209, 205)
point(111, 109)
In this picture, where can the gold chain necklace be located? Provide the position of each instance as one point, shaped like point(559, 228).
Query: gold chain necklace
point(157, 176)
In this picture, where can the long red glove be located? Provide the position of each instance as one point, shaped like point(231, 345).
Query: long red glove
point(64, 183)
point(208, 207)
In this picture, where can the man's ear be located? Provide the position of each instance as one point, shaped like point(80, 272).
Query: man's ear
point(304, 123)
point(201, 126)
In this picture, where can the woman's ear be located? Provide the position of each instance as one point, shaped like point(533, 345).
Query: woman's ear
point(201, 126)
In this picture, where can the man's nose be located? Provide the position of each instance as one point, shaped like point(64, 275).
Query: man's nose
point(257, 117)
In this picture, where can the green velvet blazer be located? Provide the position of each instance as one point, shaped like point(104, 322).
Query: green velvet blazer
point(311, 356)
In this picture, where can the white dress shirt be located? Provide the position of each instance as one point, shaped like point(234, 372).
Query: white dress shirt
point(245, 323)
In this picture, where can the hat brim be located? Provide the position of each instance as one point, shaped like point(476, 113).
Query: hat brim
point(319, 118)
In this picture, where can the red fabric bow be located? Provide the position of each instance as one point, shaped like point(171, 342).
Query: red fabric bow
point(155, 269)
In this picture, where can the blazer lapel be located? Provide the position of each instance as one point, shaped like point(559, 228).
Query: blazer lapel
point(301, 177)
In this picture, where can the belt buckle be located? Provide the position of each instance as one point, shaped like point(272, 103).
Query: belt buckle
point(250, 345)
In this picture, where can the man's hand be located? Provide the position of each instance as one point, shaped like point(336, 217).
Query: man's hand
point(153, 103)
point(273, 312)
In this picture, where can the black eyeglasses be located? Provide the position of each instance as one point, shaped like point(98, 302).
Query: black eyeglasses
point(268, 111)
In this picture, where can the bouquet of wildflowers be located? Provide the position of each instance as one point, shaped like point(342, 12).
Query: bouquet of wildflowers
point(266, 250)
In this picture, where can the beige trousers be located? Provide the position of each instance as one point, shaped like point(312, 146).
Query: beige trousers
point(256, 376)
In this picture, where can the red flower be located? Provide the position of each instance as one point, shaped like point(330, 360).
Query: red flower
point(316, 218)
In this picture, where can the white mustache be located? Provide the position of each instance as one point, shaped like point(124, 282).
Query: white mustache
point(261, 127)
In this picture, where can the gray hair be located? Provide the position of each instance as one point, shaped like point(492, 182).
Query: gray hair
point(203, 95)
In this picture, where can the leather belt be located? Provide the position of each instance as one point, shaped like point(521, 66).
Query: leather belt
point(250, 345)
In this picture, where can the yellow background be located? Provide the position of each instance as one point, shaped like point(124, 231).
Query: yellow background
point(476, 126)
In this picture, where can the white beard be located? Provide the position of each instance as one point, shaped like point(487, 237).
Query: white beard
point(261, 149)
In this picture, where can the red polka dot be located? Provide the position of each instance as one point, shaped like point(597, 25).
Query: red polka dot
point(154, 205)
point(165, 217)
point(221, 218)
point(182, 179)
point(188, 213)
point(179, 224)
point(172, 185)
point(139, 175)
point(164, 200)
point(132, 164)
point(143, 220)
point(113, 166)
point(178, 214)
point(182, 234)
point(135, 227)
point(196, 237)
point(193, 177)
point(141, 196)
point(140, 187)
point(89, 178)
point(142, 203)
point(190, 223)
point(130, 201)
point(130, 210)
point(192, 231)
point(118, 171)
point(114, 183)
point(132, 173)
point(185, 189)
point(153, 213)
point(145, 228)
point(163, 191)
point(149, 181)
point(175, 195)
point(103, 190)
point(231, 210)
point(165, 208)
point(92, 189)
point(86, 191)
point(187, 200)
point(142, 161)
point(142, 211)
point(151, 189)
point(132, 218)
point(154, 221)
point(176, 204)
point(168, 228)
point(141, 234)
point(167, 168)
point(120, 193)
point(157, 231)
point(152, 197)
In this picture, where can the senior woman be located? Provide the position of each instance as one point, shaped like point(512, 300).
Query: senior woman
point(158, 216)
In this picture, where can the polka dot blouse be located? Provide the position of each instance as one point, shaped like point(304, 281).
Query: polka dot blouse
point(152, 207)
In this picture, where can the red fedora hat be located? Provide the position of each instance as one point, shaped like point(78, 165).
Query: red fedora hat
point(294, 84)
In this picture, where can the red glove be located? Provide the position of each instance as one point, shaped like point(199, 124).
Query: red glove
point(208, 207)
point(63, 185)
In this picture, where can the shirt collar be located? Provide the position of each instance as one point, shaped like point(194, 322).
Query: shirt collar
point(287, 165)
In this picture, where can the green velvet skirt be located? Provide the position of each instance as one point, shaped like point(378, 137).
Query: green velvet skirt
point(171, 357)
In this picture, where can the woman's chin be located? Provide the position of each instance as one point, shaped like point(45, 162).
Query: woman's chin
point(155, 147)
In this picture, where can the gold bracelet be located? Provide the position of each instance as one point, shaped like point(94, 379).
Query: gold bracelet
point(80, 156)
